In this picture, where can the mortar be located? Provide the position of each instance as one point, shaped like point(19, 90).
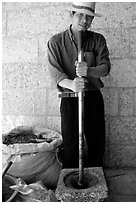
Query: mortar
point(94, 188)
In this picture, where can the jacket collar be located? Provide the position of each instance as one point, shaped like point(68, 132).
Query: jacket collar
point(72, 36)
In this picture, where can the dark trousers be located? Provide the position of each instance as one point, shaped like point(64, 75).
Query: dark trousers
point(94, 130)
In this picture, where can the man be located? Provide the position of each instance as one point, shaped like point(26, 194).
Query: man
point(72, 76)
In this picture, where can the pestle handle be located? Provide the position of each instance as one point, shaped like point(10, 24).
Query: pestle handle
point(81, 112)
point(7, 168)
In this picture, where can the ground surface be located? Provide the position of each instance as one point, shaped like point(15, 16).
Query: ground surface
point(121, 185)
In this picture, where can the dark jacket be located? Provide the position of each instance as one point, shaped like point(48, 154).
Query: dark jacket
point(63, 52)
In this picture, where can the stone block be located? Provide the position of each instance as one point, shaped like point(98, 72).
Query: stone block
point(106, 81)
point(43, 40)
point(120, 156)
point(37, 20)
point(110, 96)
point(18, 102)
point(123, 73)
point(118, 42)
point(126, 102)
point(122, 14)
point(16, 76)
point(19, 49)
point(40, 102)
point(94, 189)
point(43, 77)
point(113, 99)
point(10, 122)
point(54, 122)
point(123, 130)
point(53, 103)
point(134, 102)
point(22, 22)
point(133, 42)
point(7, 123)
point(4, 30)
point(54, 15)
point(107, 130)
point(10, 6)
point(25, 76)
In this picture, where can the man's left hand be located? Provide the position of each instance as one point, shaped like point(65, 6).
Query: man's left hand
point(81, 68)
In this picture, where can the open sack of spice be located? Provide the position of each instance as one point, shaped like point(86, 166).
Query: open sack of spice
point(34, 192)
point(34, 160)
point(24, 140)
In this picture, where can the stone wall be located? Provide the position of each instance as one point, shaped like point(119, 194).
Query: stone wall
point(29, 95)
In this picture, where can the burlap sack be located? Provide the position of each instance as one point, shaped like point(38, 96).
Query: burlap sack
point(34, 162)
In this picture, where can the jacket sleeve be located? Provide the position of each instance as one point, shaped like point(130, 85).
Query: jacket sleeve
point(102, 59)
point(54, 60)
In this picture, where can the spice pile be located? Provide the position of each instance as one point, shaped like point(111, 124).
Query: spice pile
point(14, 138)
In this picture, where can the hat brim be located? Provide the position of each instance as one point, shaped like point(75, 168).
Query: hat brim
point(90, 13)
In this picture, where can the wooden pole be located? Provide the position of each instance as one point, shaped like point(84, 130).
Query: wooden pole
point(81, 114)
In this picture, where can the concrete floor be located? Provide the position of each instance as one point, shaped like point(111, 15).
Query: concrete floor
point(121, 185)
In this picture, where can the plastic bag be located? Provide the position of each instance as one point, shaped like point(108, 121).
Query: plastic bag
point(34, 192)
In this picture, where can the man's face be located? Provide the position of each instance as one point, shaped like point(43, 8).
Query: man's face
point(81, 21)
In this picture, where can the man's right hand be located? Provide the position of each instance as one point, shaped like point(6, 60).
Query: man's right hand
point(78, 84)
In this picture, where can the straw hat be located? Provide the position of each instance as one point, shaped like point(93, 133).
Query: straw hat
point(85, 7)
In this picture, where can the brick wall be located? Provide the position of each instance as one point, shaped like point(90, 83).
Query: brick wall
point(29, 96)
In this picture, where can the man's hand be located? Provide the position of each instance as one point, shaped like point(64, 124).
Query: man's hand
point(78, 84)
point(81, 68)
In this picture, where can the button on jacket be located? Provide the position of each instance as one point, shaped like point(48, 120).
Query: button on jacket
point(63, 53)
